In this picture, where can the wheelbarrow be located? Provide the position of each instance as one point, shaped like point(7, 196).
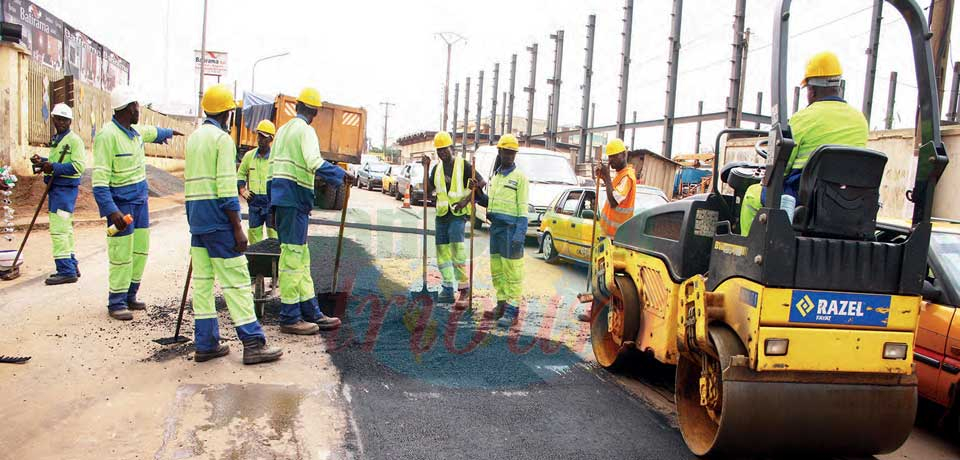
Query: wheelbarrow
point(262, 261)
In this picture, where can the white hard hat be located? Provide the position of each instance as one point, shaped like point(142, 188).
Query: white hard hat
point(62, 110)
point(121, 97)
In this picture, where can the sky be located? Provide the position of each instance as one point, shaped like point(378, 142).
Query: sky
point(364, 52)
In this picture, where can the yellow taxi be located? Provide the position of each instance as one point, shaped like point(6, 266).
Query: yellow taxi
point(937, 347)
point(389, 181)
point(567, 225)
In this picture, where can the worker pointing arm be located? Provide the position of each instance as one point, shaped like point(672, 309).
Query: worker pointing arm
point(621, 190)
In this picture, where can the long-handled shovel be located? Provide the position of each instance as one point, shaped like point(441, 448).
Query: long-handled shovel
point(424, 288)
point(334, 303)
point(177, 338)
point(14, 272)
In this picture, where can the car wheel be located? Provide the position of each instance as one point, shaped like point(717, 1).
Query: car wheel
point(549, 250)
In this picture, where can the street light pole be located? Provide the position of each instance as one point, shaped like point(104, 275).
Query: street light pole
point(253, 73)
point(450, 38)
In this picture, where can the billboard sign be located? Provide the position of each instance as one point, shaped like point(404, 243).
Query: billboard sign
point(214, 63)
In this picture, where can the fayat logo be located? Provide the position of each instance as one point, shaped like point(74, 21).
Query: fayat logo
point(840, 308)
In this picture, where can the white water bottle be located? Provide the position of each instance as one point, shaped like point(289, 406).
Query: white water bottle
point(789, 205)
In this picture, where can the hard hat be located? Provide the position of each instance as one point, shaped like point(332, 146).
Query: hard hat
point(121, 97)
point(614, 147)
point(310, 97)
point(442, 139)
point(266, 127)
point(217, 99)
point(823, 69)
point(62, 110)
point(509, 142)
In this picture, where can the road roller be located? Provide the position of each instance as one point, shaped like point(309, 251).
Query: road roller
point(796, 338)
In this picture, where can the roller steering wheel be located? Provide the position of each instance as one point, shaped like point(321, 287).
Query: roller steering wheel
point(760, 148)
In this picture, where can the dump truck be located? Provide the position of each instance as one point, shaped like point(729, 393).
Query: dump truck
point(797, 337)
point(340, 129)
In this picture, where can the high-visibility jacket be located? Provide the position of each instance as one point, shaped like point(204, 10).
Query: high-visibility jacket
point(119, 164)
point(252, 174)
point(294, 162)
point(67, 172)
point(827, 121)
point(625, 191)
point(210, 180)
point(508, 202)
point(446, 198)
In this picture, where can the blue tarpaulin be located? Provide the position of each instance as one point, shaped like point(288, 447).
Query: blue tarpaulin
point(256, 107)
point(689, 175)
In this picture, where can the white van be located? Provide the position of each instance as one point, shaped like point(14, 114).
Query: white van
point(549, 174)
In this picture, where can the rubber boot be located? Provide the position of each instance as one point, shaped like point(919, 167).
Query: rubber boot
point(122, 314)
point(300, 328)
point(446, 295)
point(201, 356)
point(328, 323)
point(57, 278)
point(256, 351)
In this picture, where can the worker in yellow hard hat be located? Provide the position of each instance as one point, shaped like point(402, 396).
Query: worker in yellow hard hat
point(453, 210)
point(620, 190)
point(507, 205)
point(827, 119)
point(295, 162)
point(252, 183)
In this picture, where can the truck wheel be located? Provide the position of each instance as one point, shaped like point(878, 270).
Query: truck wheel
point(327, 197)
point(340, 196)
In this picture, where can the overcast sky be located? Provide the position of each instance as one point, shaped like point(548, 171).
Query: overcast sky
point(362, 52)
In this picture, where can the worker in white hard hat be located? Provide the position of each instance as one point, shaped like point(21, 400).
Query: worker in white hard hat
point(120, 188)
point(62, 170)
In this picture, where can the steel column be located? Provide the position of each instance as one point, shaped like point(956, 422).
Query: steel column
point(493, 104)
point(796, 99)
point(624, 67)
point(587, 82)
point(696, 143)
point(872, 53)
point(759, 108)
point(476, 129)
point(553, 113)
point(891, 99)
point(633, 133)
point(466, 115)
point(503, 115)
point(954, 89)
point(456, 107)
point(513, 80)
point(672, 64)
point(531, 90)
point(733, 99)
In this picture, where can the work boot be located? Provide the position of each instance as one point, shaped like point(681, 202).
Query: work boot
point(300, 328)
point(256, 351)
point(136, 305)
point(122, 314)
point(201, 356)
point(509, 318)
point(57, 278)
point(328, 323)
point(446, 295)
point(497, 312)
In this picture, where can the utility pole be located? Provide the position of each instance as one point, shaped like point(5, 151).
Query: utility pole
point(624, 66)
point(587, 81)
point(466, 115)
point(493, 107)
point(456, 107)
point(203, 59)
point(891, 99)
point(386, 117)
point(531, 90)
point(696, 141)
point(450, 38)
point(554, 107)
point(736, 69)
point(672, 64)
point(476, 131)
point(513, 82)
point(872, 52)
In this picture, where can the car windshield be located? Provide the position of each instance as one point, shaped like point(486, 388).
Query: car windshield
point(416, 170)
point(546, 169)
point(379, 167)
point(947, 248)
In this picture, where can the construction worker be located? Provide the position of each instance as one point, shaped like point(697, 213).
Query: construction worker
point(295, 162)
point(827, 119)
point(451, 187)
point(217, 239)
point(62, 198)
point(621, 190)
point(252, 182)
point(120, 189)
point(507, 205)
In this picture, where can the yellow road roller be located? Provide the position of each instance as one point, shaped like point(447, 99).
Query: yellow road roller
point(796, 338)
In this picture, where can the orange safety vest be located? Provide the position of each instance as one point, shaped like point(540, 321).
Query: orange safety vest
point(612, 217)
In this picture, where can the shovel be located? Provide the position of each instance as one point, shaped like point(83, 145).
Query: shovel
point(334, 303)
point(425, 291)
point(177, 338)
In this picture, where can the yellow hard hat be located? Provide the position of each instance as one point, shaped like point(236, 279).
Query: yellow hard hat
point(442, 139)
point(310, 97)
point(508, 142)
point(614, 147)
point(218, 99)
point(823, 69)
point(266, 127)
